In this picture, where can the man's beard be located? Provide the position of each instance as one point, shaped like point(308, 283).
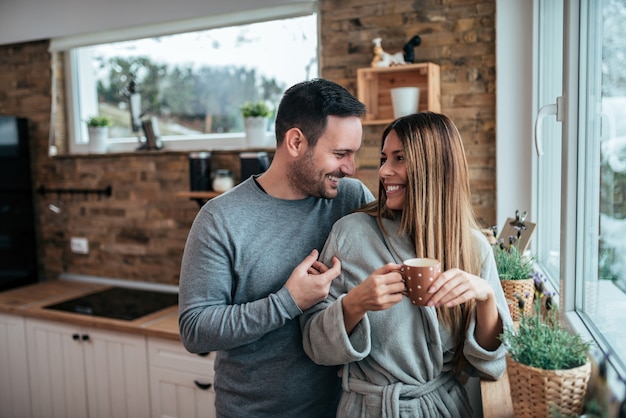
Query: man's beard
point(306, 179)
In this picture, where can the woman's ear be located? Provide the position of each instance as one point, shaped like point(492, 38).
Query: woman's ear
point(295, 142)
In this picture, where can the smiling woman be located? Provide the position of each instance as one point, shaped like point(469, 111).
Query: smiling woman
point(195, 97)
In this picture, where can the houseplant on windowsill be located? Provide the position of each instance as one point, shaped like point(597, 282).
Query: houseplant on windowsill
point(516, 277)
point(255, 118)
point(548, 366)
point(98, 128)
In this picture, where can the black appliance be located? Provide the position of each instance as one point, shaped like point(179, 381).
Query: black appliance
point(253, 163)
point(200, 171)
point(18, 249)
point(119, 303)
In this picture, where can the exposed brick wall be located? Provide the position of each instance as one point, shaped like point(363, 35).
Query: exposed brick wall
point(459, 35)
point(139, 232)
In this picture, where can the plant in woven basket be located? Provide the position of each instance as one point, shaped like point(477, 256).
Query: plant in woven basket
point(548, 366)
point(515, 271)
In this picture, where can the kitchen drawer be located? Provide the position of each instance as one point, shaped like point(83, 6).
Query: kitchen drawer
point(172, 355)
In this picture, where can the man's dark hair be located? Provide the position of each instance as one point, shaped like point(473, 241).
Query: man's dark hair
point(308, 104)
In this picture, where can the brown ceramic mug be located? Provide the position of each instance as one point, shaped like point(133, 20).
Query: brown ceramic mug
point(419, 274)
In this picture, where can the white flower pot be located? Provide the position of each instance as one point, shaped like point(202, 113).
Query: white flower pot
point(404, 100)
point(256, 131)
point(98, 138)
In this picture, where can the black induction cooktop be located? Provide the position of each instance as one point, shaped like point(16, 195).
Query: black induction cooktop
point(119, 303)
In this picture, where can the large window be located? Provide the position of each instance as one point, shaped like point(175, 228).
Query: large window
point(581, 237)
point(189, 84)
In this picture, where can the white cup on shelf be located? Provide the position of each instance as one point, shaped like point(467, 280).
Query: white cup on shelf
point(404, 100)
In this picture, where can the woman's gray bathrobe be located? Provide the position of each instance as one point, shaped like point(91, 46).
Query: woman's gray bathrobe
point(397, 360)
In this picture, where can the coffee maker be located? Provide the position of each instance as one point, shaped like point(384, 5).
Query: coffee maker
point(253, 163)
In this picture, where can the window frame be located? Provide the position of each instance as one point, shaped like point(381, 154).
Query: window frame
point(213, 141)
point(580, 209)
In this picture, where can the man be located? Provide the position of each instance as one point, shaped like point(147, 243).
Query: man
point(250, 264)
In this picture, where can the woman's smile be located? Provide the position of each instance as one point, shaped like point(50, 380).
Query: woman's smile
point(394, 188)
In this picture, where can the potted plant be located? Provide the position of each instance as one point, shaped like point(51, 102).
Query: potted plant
point(255, 117)
point(548, 366)
point(98, 128)
point(516, 277)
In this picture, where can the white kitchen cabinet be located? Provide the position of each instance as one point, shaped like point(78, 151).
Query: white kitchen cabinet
point(14, 391)
point(86, 372)
point(181, 383)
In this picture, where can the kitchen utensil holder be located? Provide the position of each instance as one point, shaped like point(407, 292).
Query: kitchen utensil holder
point(106, 192)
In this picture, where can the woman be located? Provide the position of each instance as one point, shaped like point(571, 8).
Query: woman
point(400, 359)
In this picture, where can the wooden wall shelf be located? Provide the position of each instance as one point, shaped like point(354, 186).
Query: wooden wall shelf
point(374, 85)
point(200, 197)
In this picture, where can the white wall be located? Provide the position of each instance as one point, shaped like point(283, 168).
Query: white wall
point(30, 20)
point(514, 118)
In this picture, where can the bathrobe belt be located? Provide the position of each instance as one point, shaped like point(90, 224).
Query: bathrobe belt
point(390, 394)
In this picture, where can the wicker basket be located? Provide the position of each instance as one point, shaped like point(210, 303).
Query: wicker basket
point(525, 289)
point(546, 393)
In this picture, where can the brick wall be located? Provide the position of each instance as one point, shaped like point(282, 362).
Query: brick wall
point(139, 232)
point(459, 36)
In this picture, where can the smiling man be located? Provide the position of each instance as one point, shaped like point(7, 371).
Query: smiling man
point(250, 264)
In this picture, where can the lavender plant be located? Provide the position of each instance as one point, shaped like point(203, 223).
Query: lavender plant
point(541, 341)
point(512, 264)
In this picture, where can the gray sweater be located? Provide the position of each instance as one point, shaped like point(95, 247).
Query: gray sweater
point(398, 361)
point(241, 249)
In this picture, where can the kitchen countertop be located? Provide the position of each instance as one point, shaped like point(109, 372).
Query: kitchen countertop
point(29, 301)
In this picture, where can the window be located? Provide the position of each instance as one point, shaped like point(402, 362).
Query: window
point(189, 82)
point(581, 237)
point(549, 56)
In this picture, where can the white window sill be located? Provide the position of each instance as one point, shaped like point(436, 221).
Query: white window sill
point(609, 315)
point(214, 142)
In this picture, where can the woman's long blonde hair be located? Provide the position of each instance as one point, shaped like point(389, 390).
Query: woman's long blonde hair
point(437, 213)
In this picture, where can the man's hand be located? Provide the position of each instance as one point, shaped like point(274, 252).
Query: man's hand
point(310, 281)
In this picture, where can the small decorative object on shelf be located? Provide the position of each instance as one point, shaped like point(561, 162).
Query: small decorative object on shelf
point(409, 48)
point(517, 231)
point(515, 268)
point(255, 117)
point(384, 59)
point(152, 136)
point(98, 128)
point(404, 100)
point(223, 180)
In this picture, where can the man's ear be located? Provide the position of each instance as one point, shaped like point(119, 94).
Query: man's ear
point(295, 142)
